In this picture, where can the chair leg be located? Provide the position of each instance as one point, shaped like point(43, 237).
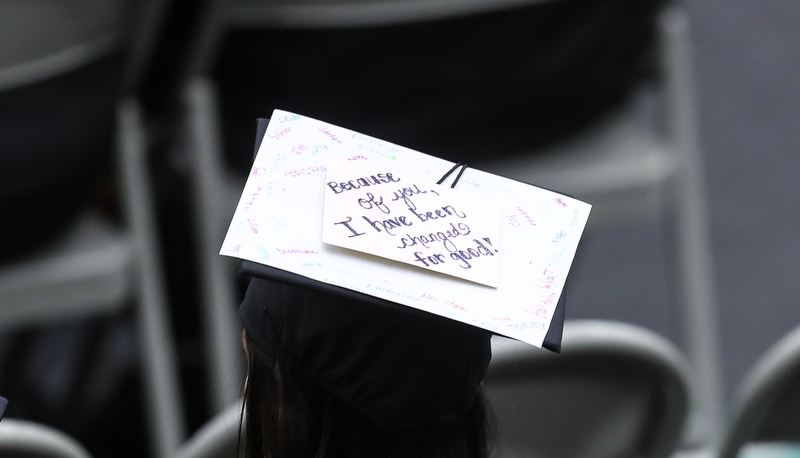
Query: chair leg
point(212, 211)
point(160, 364)
point(691, 233)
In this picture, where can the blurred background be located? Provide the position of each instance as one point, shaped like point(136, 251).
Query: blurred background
point(748, 108)
point(81, 372)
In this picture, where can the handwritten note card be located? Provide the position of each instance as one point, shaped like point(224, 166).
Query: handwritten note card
point(393, 214)
point(279, 222)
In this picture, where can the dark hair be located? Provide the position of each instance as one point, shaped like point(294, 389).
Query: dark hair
point(289, 416)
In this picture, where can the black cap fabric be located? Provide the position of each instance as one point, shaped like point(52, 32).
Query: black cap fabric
point(413, 373)
point(3, 405)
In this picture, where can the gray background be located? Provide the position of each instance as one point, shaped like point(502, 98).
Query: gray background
point(747, 62)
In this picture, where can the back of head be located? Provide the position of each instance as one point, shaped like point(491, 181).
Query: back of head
point(331, 377)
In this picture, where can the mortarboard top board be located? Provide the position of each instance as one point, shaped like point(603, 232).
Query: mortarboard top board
point(406, 347)
point(552, 340)
point(303, 159)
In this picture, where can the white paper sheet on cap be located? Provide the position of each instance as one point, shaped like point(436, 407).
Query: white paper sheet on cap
point(279, 222)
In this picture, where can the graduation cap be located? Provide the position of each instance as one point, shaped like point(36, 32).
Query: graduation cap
point(3, 405)
point(360, 325)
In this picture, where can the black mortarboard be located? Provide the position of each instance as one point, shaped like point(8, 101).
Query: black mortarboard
point(413, 373)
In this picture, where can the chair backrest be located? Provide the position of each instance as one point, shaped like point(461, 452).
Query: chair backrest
point(219, 15)
point(41, 40)
point(218, 438)
point(767, 405)
point(616, 390)
point(63, 67)
point(24, 439)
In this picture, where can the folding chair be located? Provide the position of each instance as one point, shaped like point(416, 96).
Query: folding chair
point(25, 439)
point(631, 171)
point(616, 390)
point(766, 412)
point(628, 169)
point(97, 268)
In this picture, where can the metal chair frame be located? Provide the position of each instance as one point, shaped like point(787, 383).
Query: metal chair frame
point(774, 376)
point(615, 388)
point(26, 439)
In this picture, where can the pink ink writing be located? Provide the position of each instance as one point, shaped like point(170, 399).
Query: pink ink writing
point(527, 216)
point(295, 251)
point(280, 134)
point(253, 225)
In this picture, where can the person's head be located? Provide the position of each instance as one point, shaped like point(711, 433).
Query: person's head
point(329, 376)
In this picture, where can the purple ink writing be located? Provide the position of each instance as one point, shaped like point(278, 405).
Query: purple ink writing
point(305, 171)
point(330, 134)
